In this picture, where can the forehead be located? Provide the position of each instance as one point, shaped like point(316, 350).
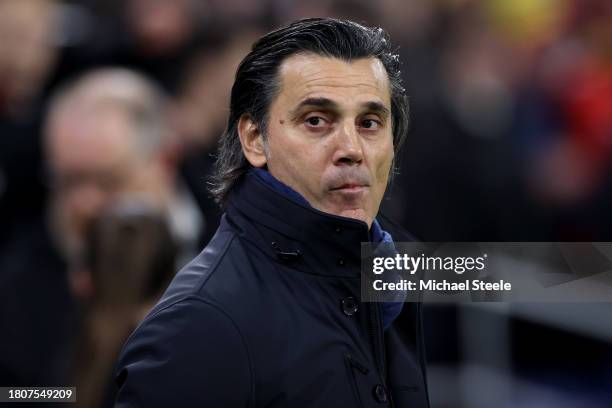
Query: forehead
point(306, 75)
point(89, 139)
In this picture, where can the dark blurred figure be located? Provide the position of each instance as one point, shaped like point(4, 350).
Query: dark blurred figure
point(27, 57)
point(160, 38)
point(156, 37)
point(131, 256)
point(200, 115)
point(564, 127)
point(35, 303)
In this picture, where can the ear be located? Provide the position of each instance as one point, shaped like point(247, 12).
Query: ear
point(252, 142)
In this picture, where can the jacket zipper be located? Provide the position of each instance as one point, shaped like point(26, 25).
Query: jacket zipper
point(376, 334)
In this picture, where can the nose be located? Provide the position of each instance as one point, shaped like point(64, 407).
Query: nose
point(349, 150)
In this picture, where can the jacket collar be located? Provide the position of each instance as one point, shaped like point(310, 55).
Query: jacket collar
point(377, 234)
point(296, 233)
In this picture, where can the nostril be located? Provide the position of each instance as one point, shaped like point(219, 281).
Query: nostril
point(348, 161)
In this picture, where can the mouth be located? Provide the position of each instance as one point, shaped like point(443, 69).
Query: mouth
point(351, 188)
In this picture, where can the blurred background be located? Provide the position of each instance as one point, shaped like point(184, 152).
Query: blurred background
point(109, 116)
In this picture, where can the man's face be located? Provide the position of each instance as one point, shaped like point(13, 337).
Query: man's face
point(93, 161)
point(329, 135)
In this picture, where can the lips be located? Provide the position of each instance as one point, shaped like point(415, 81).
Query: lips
point(348, 180)
point(350, 187)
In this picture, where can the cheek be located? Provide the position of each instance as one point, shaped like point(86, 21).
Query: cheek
point(385, 161)
point(294, 152)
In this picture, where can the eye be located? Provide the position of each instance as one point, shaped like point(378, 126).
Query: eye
point(315, 122)
point(370, 124)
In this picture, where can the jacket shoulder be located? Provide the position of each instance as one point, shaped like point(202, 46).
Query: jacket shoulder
point(189, 350)
point(224, 273)
point(187, 353)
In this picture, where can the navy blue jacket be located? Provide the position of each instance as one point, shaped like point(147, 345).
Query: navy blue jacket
point(268, 315)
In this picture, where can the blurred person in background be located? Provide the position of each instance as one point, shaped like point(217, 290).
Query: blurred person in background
point(117, 210)
point(107, 139)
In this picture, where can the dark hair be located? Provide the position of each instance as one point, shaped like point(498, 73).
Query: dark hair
point(256, 83)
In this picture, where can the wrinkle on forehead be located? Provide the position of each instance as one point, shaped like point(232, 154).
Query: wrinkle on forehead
point(308, 73)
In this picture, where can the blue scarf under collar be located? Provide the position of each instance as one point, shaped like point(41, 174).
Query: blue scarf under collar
point(390, 310)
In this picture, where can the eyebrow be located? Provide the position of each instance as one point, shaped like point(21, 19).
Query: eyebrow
point(376, 107)
point(326, 103)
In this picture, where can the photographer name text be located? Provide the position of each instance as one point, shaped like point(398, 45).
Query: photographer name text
point(442, 285)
